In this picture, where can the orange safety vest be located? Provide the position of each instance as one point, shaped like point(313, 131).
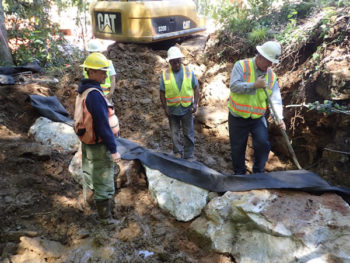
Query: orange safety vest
point(173, 96)
point(251, 106)
point(83, 122)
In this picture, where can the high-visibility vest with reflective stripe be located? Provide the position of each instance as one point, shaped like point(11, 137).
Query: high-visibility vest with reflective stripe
point(247, 105)
point(106, 86)
point(173, 96)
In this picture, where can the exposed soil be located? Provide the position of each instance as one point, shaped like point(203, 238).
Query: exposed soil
point(39, 198)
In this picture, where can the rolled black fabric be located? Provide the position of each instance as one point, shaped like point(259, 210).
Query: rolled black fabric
point(51, 108)
point(198, 174)
point(12, 70)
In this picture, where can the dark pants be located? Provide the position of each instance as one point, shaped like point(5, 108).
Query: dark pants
point(186, 123)
point(239, 129)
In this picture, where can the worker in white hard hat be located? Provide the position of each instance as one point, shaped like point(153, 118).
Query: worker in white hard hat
point(179, 94)
point(108, 87)
point(248, 103)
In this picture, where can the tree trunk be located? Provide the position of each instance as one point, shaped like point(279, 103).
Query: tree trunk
point(5, 53)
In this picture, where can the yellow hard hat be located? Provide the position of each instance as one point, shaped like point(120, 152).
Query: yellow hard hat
point(96, 61)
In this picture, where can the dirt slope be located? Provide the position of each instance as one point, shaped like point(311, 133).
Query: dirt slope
point(39, 199)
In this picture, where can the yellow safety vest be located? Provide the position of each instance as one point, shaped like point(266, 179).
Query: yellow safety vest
point(251, 106)
point(106, 86)
point(173, 96)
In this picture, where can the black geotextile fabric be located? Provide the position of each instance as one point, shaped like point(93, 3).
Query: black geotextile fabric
point(196, 173)
point(7, 72)
point(13, 70)
point(51, 108)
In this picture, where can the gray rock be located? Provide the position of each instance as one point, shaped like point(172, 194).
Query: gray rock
point(261, 225)
point(58, 136)
point(183, 201)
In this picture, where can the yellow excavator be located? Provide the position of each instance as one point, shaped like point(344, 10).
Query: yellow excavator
point(145, 21)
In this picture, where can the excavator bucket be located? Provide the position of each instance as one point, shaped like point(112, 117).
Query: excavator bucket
point(145, 21)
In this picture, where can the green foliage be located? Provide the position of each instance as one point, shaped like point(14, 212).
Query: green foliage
point(32, 35)
point(290, 34)
point(327, 107)
point(328, 19)
point(260, 7)
point(302, 10)
point(317, 56)
point(257, 36)
point(336, 3)
point(203, 7)
point(237, 23)
point(252, 24)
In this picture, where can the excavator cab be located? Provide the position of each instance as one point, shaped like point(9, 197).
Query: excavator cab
point(145, 21)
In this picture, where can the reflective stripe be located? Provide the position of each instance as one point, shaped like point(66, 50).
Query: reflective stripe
point(270, 77)
point(247, 74)
point(244, 71)
point(179, 99)
point(188, 72)
point(255, 105)
point(105, 90)
point(106, 87)
point(172, 89)
point(247, 108)
point(167, 74)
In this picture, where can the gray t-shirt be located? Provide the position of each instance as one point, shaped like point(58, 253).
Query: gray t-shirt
point(178, 110)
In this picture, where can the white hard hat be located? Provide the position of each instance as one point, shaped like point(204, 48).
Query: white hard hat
point(94, 45)
point(270, 50)
point(173, 53)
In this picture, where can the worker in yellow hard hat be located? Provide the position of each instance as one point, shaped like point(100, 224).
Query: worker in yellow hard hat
point(99, 149)
point(108, 87)
point(179, 95)
point(248, 103)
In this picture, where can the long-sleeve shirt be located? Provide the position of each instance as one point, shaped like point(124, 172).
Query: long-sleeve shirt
point(239, 86)
point(98, 108)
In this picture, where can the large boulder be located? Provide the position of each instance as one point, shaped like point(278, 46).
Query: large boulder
point(263, 226)
point(57, 135)
point(181, 200)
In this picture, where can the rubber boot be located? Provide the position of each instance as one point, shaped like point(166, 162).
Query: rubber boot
point(104, 212)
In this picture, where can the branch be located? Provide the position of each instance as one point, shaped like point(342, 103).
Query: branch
point(327, 149)
point(347, 112)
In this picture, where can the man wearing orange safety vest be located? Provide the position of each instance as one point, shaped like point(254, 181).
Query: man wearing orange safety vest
point(248, 103)
point(179, 94)
point(100, 155)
